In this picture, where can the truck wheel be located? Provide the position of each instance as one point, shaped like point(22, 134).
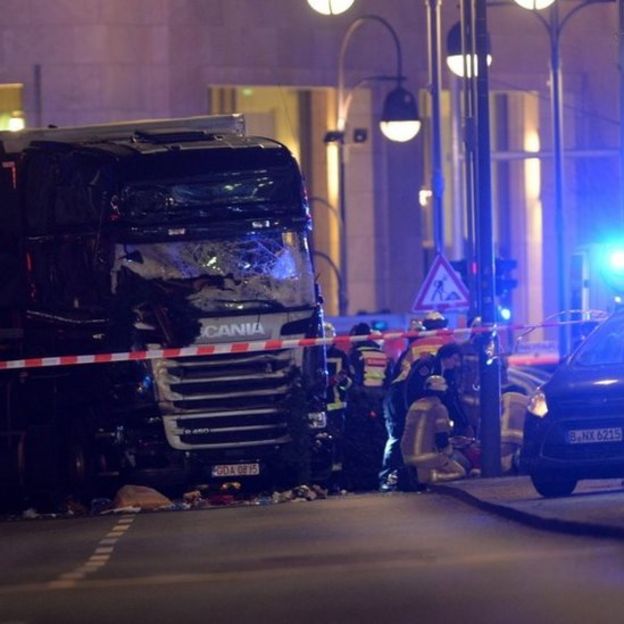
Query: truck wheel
point(290, 467)
point(78, 460)
point(553, 486)
point(40, 467)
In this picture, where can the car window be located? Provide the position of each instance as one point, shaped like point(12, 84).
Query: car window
point(604, 346)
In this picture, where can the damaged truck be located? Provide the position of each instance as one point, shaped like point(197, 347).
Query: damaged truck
point(150, 235)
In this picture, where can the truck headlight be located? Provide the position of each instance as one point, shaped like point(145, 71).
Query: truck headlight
point(317, 420)
point(538, 405)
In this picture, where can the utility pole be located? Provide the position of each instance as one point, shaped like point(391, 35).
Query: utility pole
point(489, 364)
point(435, 86)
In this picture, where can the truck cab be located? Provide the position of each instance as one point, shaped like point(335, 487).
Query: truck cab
point(159, 236)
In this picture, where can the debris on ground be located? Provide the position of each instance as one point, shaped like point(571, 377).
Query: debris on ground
point(129, 498)
point(138, 498)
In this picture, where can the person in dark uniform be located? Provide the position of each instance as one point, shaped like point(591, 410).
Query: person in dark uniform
point(447, 362)
point(394, 475)
point(365, 432)
point(338, 385)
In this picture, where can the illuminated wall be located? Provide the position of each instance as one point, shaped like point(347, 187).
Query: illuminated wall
point(93, 61)
point(11, 107)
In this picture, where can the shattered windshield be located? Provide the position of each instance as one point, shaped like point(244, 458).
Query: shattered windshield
point(260, 271)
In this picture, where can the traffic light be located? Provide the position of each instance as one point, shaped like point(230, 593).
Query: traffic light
point(505, 283)
point(461, 267)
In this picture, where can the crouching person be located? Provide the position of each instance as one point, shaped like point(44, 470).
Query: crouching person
point(512, 429)
point(425, 444)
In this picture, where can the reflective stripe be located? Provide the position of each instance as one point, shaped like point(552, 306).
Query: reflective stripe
point(375, 364)
point(336, 405)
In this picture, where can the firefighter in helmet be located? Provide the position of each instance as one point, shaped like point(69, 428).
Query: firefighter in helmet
point(426, 441)
point(338, 385)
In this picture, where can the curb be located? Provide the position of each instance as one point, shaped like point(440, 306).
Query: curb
point(534, 520)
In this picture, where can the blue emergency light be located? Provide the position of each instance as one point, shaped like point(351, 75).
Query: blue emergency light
point(611, 262)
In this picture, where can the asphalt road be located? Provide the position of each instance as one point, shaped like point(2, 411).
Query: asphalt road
point(359, 558)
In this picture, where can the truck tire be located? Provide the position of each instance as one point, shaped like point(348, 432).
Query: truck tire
point(78, 463)
point(41, 468)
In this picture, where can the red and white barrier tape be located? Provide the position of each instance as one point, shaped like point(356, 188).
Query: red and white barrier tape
point(254, 346)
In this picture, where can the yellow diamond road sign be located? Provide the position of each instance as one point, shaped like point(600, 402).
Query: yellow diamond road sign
point(442, 289)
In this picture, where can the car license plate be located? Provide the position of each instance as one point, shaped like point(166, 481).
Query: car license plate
point(235, 470)
point(588, 436)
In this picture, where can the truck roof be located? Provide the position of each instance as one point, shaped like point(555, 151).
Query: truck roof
point(154, 131)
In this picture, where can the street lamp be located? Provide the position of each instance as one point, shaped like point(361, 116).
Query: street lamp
point(399, 118)
point(399, 122)
point(469, 41)
point(554, 26)
point(331, 7)
point(534, 5)
point(435, 90)
point(342, 299)
point(459, 64)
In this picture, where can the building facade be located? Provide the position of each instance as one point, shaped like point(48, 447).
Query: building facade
point(65, 62)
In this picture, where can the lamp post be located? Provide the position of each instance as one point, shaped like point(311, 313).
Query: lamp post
point(335, 270)
point(463, 61)
point(435, 78)
point(342, 300)
point(554, 26)
point(399, 122)
point(469, 41)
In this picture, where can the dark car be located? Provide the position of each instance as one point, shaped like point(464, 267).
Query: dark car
point(574, 426)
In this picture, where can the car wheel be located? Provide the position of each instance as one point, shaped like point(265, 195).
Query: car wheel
point(552, 486)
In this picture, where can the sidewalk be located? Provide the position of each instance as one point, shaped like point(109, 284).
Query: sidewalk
point(595, 508)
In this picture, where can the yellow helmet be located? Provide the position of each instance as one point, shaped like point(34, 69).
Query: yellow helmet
point(436, 383)
point(434, 320)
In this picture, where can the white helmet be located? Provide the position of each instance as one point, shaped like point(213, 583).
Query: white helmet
point(329, 330)
point(436, 383)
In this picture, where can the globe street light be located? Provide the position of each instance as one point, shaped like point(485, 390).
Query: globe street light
point(399, 122)
point(457, 62)
point(435, 89)
point(399, 119)
point(534, 5)
point(331, 7)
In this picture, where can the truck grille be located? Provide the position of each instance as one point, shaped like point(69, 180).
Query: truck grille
point(225, 401)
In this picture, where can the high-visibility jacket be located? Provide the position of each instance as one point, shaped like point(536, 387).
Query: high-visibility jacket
point(425, 443)
point(512, 417)
point(339, 380)
point(426, 419)
point(513, 412)
point(369, 365)
point(419, 347)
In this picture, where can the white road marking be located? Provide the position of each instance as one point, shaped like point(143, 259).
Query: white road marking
point(229, 576)
point(100, 557)
point(101, 550)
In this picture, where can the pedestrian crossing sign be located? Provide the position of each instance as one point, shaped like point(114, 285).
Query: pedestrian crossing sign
point(442, 289)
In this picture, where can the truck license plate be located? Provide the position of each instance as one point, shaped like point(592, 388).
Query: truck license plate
point(588, 436)
point(236, 470)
